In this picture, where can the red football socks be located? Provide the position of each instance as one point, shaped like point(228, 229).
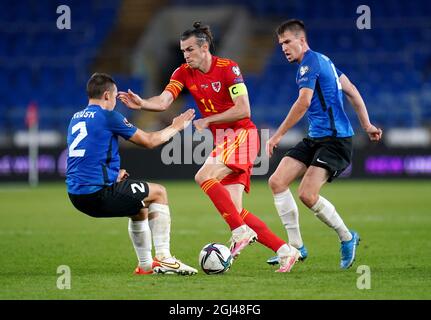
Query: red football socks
point(264, 234)
point(223, 202)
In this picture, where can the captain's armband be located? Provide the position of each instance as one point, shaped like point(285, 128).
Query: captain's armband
point(238, 89)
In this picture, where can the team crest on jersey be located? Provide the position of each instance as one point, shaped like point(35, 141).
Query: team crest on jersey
point(216, 86)
point(303, 70)
point(236, 71)
point(127, 123)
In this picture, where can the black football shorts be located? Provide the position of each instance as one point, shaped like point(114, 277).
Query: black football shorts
point(331, 153)
point(121, 199)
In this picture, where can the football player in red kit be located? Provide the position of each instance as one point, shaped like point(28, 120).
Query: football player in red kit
point(217, 86)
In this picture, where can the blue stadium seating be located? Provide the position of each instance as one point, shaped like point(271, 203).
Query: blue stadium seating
point(390, 64)
point(42, 64)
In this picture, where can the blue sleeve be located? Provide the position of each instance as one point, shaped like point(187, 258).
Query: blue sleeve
point(119, 125)
point(308, 72)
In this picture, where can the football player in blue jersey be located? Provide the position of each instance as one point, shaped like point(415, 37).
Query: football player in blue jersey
point(98, 188)
point(326, 151)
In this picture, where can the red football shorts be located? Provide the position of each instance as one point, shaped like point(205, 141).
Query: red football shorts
point(238, 151)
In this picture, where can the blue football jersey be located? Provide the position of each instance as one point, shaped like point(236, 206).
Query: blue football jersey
point(92, 139)
point(326, 113)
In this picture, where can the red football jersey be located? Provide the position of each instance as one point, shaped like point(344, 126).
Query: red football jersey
point(210, 90)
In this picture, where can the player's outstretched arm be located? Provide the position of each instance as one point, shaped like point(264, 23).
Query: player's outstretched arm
point(156, 103)
point(355, 99)
point(153, 139)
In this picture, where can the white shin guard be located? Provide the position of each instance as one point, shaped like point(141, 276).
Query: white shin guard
point(140, 234)
point(325, 211)
point(160, 224)
point(289, 215)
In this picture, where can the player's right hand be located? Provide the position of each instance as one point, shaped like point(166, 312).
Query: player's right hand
point(183, 120)
point(374, 133)
point(271, 144)
point(130, 99)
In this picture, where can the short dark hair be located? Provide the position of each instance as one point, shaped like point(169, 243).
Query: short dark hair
point(201, 32)
point(98, 84)
point(292, 25)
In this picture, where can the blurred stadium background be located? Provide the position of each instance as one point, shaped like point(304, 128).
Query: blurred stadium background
point(138, 43)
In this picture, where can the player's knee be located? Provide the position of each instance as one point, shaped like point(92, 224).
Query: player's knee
point(198, 178)
point(160, 194)
point(201, 177)
point(308, 197)
point(163, 193)
point(276, 184)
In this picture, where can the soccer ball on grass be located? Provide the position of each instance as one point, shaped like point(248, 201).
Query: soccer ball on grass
point(215, 258)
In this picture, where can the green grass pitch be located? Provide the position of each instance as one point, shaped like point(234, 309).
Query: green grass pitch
point(40, 230)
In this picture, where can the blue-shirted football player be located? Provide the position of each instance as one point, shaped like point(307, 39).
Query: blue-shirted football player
point(98, 188)
point(326, 151)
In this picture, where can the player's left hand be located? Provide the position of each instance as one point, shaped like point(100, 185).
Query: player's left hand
point(122, 175)
point(374, 133)
point(201, 124)
point(130, 99)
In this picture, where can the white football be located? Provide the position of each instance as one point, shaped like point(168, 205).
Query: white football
point(215, 258)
